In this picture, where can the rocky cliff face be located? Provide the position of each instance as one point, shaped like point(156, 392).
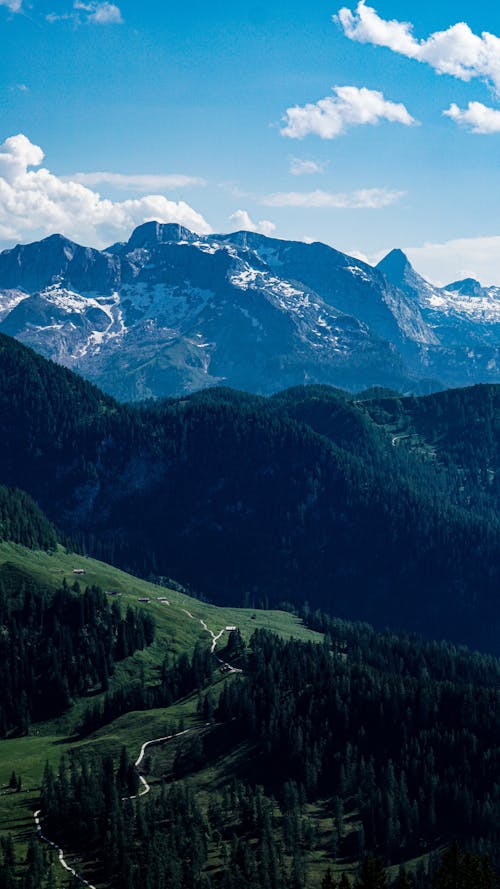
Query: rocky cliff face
point(464, 318)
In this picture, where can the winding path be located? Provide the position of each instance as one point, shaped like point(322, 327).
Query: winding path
point(60, 852)
point(215, 639)
point(397, 438)
point(145, 786)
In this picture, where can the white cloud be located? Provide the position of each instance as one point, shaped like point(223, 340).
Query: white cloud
point(349, 107)
point(477, 117)
point(241, 221)
point(12, 5)
point(36, 203)
point(365, 198)
point(358, 254)
point(94, 13)
point(299, 167)
point(21, 88)
point(456, 51)
point(100, 13)
point(137, 182)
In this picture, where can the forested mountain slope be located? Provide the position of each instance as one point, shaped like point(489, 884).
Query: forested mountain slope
point(301, 496)
point(307, 745)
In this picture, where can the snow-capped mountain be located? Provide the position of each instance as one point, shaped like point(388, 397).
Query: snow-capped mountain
point(168, 312)
point(464, 318)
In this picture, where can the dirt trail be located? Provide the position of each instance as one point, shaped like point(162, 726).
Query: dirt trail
point(145, 786)
point(67, 867)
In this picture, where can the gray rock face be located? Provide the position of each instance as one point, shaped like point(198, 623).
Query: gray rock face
point(168, 312)
point(464, 318)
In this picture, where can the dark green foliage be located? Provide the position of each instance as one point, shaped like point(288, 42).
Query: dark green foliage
point(381, 728)
point(328, 881)
point(258, 500)
point(139, 846)
point(57, 646)
point(21, 521)
point(459, 870)
point(161, 841)
point(372, 875)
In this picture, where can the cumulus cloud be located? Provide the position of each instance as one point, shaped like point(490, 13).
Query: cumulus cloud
point(299, 167)
point(241, 221)
point(456, 51)
point(35, 203)
point(365, 198)
point(137, 182)
point(477, 117)
point(100, 13)
point(12, 5)
point(348, 107)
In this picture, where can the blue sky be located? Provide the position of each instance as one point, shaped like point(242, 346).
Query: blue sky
point(184, 111)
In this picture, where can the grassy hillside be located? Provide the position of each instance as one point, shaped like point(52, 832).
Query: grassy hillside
point(312, 700)
point(176, 632)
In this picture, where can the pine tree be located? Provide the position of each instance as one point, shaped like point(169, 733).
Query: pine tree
point(328, 881)
point(372, 875)
point(448, 874)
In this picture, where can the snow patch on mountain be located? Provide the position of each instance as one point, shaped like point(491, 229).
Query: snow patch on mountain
point(9, 299)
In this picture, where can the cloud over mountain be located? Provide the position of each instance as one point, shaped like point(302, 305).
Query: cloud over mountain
point(363, 198)
point(36, 202)
point(241, 221)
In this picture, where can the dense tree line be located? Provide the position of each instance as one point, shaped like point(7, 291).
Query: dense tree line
point(162, 845)
point(460, 429)
point(21, 521)
point(417, 756)
point(404, 654)
point(164, 841)
point(395, 735)
point(58, 646)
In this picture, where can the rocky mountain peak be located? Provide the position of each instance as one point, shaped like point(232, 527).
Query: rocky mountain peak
point(466, 287)
point(151, 233)
point(395, 266)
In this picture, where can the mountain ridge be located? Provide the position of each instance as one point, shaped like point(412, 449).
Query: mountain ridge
point(169, 312)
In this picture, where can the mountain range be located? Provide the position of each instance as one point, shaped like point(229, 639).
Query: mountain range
point(169, 312)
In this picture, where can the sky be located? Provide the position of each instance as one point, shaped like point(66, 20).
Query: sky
point(367, 126)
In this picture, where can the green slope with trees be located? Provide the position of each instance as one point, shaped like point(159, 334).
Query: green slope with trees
point(302, 496)
point(316, 752)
